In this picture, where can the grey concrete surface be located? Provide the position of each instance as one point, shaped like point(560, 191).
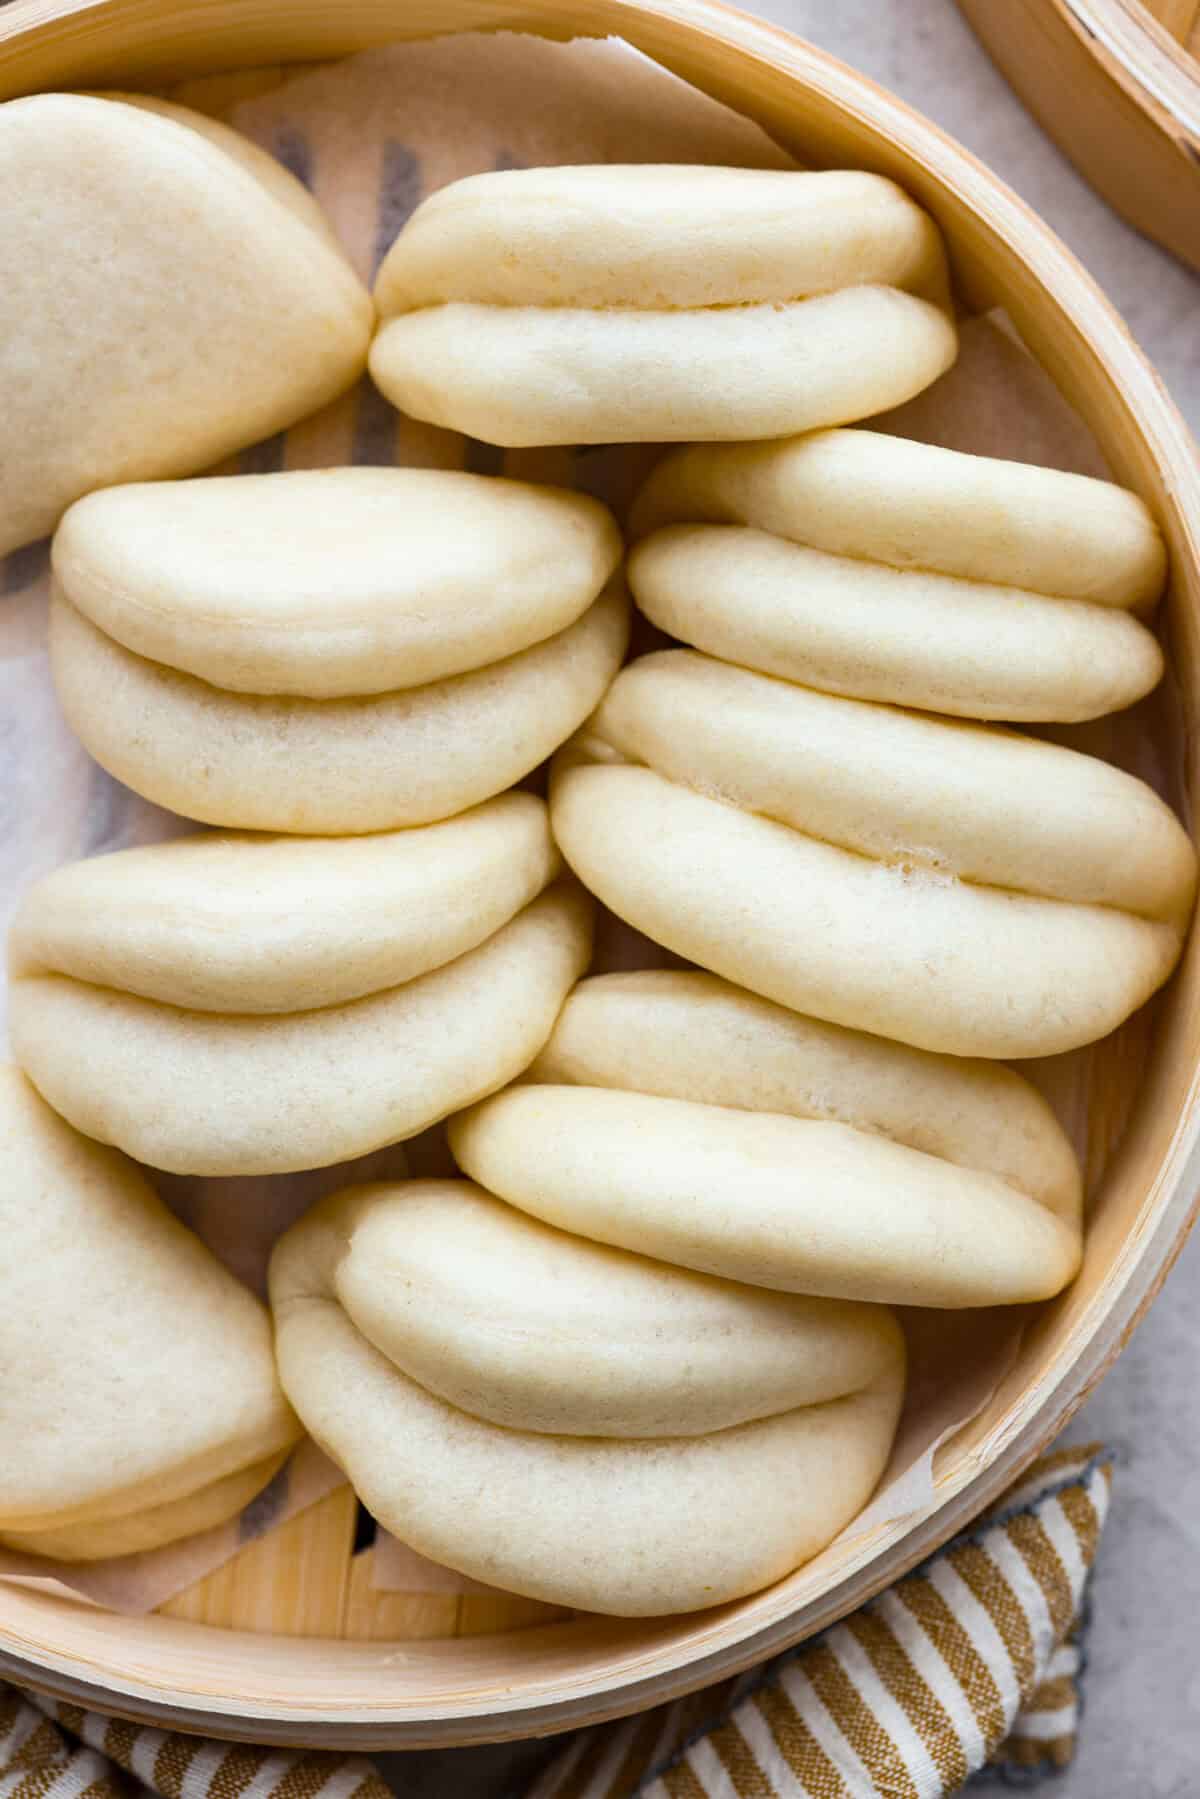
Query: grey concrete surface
point(1141, 1735)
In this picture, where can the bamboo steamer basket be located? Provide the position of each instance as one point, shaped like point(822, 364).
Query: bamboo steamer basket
point(289, 1643)
point(1116, 83)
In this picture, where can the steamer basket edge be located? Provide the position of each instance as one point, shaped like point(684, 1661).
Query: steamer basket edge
point(343, 1694)
point(1118, 95)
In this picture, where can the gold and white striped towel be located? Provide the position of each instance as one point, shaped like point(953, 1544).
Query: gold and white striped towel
point(972, 1659)
point(969, 1660)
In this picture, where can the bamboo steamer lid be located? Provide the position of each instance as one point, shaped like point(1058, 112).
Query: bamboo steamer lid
point(1116, 83)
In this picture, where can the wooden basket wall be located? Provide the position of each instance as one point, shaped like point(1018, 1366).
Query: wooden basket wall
point(1116, 83)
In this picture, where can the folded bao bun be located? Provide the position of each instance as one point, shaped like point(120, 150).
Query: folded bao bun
point(229, 1005)
point(334, 582)
point(140, 1401)
point(661, 302)
point(342, 651)
point(885, 569)
point(567, 1420)
point(954, 886)
point(676, 1116)
point(132, 346)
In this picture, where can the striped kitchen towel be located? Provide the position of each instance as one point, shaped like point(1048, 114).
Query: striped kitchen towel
point(971, 1660)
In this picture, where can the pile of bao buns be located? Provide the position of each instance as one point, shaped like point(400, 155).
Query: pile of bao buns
point(641, 1357)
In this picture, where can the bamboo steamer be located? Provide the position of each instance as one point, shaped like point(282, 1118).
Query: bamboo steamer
point(1116, 83)
point(289, 1643)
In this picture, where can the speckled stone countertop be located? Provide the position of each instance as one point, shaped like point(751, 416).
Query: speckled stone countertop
point(1141, 1731)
